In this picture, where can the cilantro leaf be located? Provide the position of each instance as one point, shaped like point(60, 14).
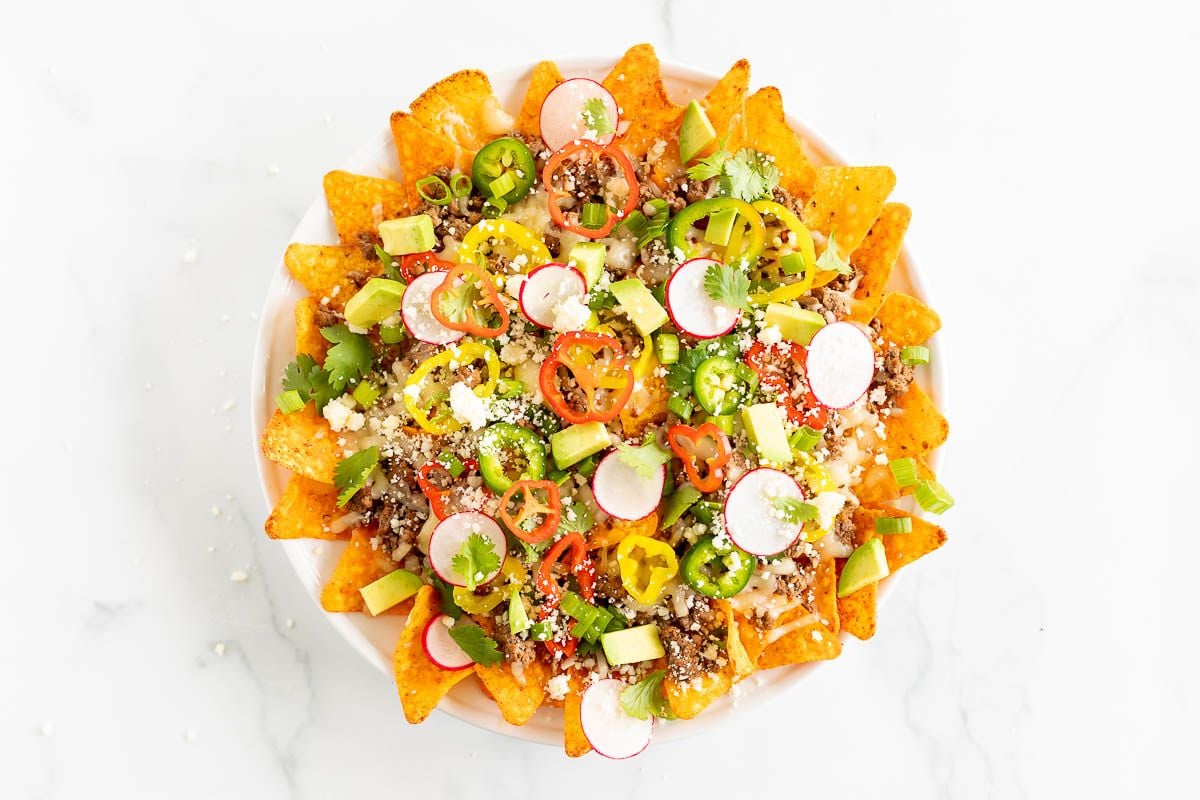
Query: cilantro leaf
point(351, 473)
point(304, 375)
point(751, 175)
point(727, 285)
point(576, 518)
point(476, 560)
point(831, 260)
point(645, 698)
point(480, 647)
point(795, 511)
point(349, 359)
point(600, 299)
point(709, 166)
point(389, 264)
point(645, 459)
point(595, 117)
point(446, 597)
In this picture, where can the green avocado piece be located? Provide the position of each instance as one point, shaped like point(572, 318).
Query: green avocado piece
point(573, 444)
point(720, 227)
point(407, 235)
point(639, 305)
point(588, 258)
point(795, 324)
point(631, 645)
point(374, 302)
point(695, 133)
point(764, 425)
point(866, 565)
point(392, 589)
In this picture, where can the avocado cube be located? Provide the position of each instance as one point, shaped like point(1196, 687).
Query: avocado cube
point(407, 235)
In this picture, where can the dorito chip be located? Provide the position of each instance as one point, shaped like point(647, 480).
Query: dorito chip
point(878, 485)
point(614, 530)
point(875, 258)
point(847, 201)
point(804, 635)
point(575, 741)
point(769, 132)
point(905, 320)
point(725, 104)
point(359, 203)
point(902, 548)
point(359, 565)
point(636, 84)
point(323, 270)
point(856, 611)
point(462, 108)
point(545, 76)
point(308, 333)
point(690, 698)
point(915, 425)
point(421, 684)
point(302, 442)
point(304, 511)
point(517, 699)
point(420, 151)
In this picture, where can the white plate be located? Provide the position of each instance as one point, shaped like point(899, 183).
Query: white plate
point(375, 639)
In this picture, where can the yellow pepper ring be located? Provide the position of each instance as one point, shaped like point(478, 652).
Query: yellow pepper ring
point(468, 601)
point(645, 565)
point(807, 249)
point(506, 230)
point(460, 353)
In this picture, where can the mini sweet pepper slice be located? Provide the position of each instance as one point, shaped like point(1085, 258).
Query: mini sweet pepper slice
point(704, 451)
point(605, 380)
point(646, 565)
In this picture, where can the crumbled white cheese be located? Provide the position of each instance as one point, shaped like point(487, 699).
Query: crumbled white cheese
point(467, 406)
point(829, 505)
point(571, 314)
point(512, 286)
point(878, 395)
point(341, 414)
point(558, 686)
point(770, 335)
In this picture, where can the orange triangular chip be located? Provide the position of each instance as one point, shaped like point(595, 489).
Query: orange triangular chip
point(462, 108)
point(877, 485)
point(421, 684)
point(902, 548)
point(905, 320)
point(846, 201)
point(725, 105)
point(359, 565)
point(324, 270)
point(575, 742)
point(768, 132)
point(636, 83)
point(359, 203)
point(875, 258)
point(914, 426)
point(305, 511)
point(545, 76)
point(308, 333)
point(420, 151)
point(517, 699)
point(302, 442)
point(689, 698)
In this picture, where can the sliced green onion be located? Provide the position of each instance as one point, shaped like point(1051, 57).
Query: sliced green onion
point(933, 497)
point(389, 263)
point(541, 631)
point(657, 205)
point(391, 334)
point(460, 184)
point(587, 467)
point(443, 197)
point(668, 486)
point(510, 387)
point(722, 421)
point(451, 462)
point(680, 407)
point(594, 215)
point(914, 355)
point(636, 223)
point(290, 401)
point(893, 525)
point(792, 263)
point(666, 348)
point(804, 439)
point(746, 375)
point(559, 476)
point(655, 229)
point(494, 207)
point(502, 185)
point(904, 470)
point(365, 394)
point(660, 293)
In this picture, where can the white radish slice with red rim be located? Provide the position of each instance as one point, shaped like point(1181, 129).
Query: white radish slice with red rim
point(440, 647)
point(754, 520)
point(451, 534)
point(840, 364)
point(545, 288)
point(609, 729)
point(690, 307)
point(563, 112)
point(622, 492)
point(417, 313)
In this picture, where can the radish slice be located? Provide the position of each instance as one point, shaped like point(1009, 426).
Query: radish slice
point(440, 648)
point(546, 287)
point(609, 730)
point(841, 364)
point(751, 518)
point(417, 313)
point(448, 538)
point(622, 493)
point(690, 307)
point(562, 119)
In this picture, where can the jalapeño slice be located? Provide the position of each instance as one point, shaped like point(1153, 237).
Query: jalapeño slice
point(505, 166)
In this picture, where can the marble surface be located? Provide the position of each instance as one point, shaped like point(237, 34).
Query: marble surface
point(154, 158)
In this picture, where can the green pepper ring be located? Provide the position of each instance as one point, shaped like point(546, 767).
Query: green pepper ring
point(704, 553)
point(489, 165)
point(681, 223)
point(711, 371)
point(501, 436)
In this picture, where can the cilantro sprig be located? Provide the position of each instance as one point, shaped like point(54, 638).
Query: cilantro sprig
point(478, 646)
point(727, 284)
point(747, 175)
point(389, 264)
point(645, 698)
point(306, 377)
point(351, 473)
point(576, 518)
point(795, 511)
point(595, 117)
point(645, 459)
point(831, 260)
point(476, 560)
point(350, 358)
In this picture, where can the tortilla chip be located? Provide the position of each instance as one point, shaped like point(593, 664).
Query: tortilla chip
point(420, 151)
point(636, 84)
point(847, 201)
point(302, 442)
point(305, 511)
point(905, 320)
point(461, 108)
point(875, 258)
point(646, 406)
point(545, 76)
point(856, 611)
point(878, 485)
point(613, 530)
point(322, 270)
point(902, 548)
point(725, 104)
point(575, 742)
point(517, 700)
point(421, 684)
point(359, 203)
point(690, 698)
point(768, 131)
point(914, 426)
point(308, 334)
point(359, 565)
point(751, 639)
point(801, 635)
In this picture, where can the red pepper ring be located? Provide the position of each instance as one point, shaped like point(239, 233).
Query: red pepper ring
point(694, 446)
point(576, 351)
point(773, 380)
point(437, 495)
point(472, 318)
point(531, 506)
point(428, 260)
point(595, 151)
point(578, 564)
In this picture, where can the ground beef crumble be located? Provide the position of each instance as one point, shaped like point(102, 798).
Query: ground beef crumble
point(689, 640)
point(519, 652)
